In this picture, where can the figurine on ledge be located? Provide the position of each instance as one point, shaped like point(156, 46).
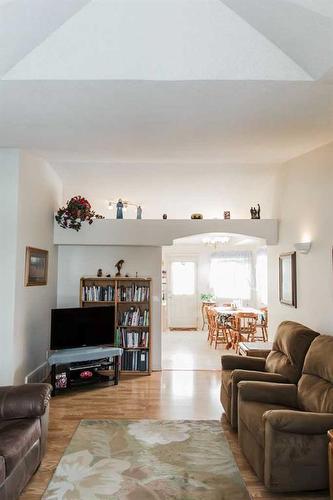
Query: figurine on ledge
point(119, 265)
point(255, 212)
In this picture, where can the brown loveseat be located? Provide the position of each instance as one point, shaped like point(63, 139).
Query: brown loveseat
point(282, 428)
point(283, 365)
point(23, 435)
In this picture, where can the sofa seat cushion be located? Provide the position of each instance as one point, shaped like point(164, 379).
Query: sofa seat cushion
point(251, 416)
point(226, 380)
point(16, 439)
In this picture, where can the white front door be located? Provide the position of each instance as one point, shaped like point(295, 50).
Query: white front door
point(182, 293)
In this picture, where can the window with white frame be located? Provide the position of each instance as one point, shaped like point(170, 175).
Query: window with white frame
point(231, 275)
point(261, 276)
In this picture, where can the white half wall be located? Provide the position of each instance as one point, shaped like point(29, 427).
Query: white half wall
point(75, 261)
point(306, 208)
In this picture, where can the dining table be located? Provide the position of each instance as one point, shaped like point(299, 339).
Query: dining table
point(225, 312)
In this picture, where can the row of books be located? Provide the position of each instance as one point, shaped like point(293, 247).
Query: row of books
point(124, 338)
point(133, 293)
point(135, 360)
point(134, 317)
point(98, 293)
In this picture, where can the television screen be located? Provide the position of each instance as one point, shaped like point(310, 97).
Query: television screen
point(79, 327)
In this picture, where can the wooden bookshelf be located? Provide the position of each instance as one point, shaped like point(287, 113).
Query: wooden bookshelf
point(92, 292)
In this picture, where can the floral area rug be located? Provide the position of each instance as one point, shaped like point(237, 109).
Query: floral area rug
point(147, 460)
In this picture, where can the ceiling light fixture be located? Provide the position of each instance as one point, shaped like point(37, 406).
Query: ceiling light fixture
point(216, 241)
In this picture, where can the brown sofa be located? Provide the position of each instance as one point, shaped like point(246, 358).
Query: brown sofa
point(283, 365)
point(282, 428)
point(23, 435)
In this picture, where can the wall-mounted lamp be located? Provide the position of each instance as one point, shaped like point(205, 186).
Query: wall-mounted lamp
point(303, 247)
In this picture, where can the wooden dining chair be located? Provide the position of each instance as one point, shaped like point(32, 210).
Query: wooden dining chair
point(210, 323)
point(262, 326)
point(220, 330)
point(244, 328)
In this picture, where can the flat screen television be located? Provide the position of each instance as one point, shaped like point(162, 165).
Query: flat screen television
point(80, 327)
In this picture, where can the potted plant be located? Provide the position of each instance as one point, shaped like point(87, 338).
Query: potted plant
point(76, 211)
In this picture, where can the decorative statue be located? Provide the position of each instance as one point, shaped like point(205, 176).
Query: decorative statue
point(139, 212)
point(99, 273)
point(165, 216)
point(119, 265)
point(120, 207)
point(255, 212)
point(226, 214)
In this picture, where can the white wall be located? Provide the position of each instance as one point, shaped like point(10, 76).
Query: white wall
point(176, 189)
point(39, 192)
point(9, 173)
point(77, 261)
point(306, 211)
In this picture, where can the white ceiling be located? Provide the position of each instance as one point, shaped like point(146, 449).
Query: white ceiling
point(166, 80)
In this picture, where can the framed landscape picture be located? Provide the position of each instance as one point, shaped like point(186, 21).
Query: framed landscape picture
point(287, 279)
point(36, 264)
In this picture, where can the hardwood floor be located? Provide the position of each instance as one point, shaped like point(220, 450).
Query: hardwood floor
point(164, 395)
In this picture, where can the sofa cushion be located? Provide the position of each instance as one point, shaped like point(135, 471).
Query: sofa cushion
point(290, 346)
point(16, 438)
point(252, 417)
point(315, 388)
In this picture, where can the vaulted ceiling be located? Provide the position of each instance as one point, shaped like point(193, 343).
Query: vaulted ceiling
point(136, 80)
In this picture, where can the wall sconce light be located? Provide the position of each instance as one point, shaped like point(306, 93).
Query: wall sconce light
point(303, 247)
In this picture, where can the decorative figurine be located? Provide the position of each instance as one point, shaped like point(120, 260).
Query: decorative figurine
point(120, 207)
point(108, 275)
point(139, 212)
point(255, 212)
point(119, 265)
point(165, 216)
point(226, 215)
point(196, 216)
point(99, 273)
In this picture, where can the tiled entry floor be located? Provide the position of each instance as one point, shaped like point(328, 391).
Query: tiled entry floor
point(189, 350)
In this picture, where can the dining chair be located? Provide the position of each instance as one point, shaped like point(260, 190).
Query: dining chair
point(210, 323)
point(220, 330)
point(244, 328)
point(262, 325)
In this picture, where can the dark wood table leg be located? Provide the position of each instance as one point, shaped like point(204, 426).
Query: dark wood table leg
point(116, 369)
point(53, 379)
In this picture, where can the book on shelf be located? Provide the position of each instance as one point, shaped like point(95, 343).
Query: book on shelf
point(131, 340)
point(135, 361)
point(134, 317)
point(95, 293)
point(133, 293)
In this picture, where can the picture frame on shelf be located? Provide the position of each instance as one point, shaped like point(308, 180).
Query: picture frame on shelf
point(287, 279)
point(36, 266)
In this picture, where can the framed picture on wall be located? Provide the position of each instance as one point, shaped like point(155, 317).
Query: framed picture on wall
point(36, 264)
point(287, 279)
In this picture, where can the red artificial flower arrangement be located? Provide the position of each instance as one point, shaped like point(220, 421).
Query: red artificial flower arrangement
point(77, 210)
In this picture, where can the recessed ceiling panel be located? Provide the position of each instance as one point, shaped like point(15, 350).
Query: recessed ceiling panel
point(157, 40)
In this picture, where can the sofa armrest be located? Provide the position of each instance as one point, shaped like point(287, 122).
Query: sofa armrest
point(253, 375)
point(232, 362)
point(299, 422)
point(24, 401)
point(269, 392)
